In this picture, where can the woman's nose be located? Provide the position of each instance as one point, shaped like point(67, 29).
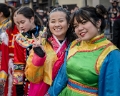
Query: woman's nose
point(21, 26)
point(80, 27)
point(57, 24)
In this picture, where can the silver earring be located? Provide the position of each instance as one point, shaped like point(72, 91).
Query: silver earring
point(98, 29)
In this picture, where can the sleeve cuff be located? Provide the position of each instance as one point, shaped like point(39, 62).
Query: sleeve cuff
point(38, 51)
point(3, 75)
point(38, 61)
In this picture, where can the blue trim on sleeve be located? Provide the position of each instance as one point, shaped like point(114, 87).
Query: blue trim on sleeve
point(109, 78)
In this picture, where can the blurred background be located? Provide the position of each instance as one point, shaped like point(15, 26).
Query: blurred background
point(45, 4)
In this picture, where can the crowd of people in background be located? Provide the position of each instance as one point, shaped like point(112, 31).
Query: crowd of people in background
point(60, 52)
point(43, 14)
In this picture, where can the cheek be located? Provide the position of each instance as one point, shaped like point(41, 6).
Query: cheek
point(67, 26)
point(76, 31)
point(93, 30)
point(18, 27)
point(51, 27)
point(77, 34)
point(28, 24)
point(15, 21)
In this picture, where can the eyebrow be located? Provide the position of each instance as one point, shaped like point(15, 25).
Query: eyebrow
point(60, 18)
point(21, 20)
point(75, 24)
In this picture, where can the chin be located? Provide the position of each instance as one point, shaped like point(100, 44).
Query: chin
point(84, 39)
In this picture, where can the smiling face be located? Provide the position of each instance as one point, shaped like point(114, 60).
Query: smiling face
point(58, 24)
point(24, 23)
point(85, 30)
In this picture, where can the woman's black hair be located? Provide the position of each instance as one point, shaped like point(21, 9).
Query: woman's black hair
point(70, 33)
point(92, 14)
point(12, 21)
point(29, 13)
point(5, 9)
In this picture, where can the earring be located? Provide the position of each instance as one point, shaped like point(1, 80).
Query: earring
point(98, 29)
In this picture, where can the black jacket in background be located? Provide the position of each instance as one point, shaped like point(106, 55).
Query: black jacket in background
point(116, 33)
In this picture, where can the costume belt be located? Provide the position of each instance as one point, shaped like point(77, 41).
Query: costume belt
point(76, 86)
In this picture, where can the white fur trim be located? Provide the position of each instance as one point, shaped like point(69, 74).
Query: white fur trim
point(13, 39)
point(4, 38)
point(10, 78)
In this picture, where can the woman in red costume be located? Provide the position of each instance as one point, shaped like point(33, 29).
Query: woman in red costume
point(29, 24)
point(7, 45)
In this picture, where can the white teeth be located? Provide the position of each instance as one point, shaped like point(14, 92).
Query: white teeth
point(57, 29)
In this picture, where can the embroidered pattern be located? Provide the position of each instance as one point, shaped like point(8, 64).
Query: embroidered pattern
point(109, 47)
point(19, 66)
point(81, 88)
point(23, 41)
point(18, 78)
point(1, 88)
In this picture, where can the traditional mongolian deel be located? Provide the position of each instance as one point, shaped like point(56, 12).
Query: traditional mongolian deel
point(23, 45)
point(5, 61)
point(86, 77)
point(43, 75)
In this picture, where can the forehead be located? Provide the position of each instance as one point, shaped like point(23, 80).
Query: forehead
point(57, 14)
point(15, 13)
point(20, 17)
point(78, 19)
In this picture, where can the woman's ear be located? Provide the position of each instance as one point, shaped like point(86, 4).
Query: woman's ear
point(1, 14)
point(68, 25)
point(98, 23)
point(32, 19)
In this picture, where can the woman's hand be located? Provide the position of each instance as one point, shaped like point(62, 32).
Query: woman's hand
point(78, 39)
point(37, 42)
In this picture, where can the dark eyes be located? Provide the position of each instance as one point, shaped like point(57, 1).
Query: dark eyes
point(75, 26)
point(61, 21)
point(58, 21)
point(84, 21)
point(22, 22)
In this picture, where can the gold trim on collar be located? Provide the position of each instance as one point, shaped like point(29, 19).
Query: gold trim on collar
point(103, 55)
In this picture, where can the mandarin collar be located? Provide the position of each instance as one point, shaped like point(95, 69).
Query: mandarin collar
point(96, 39)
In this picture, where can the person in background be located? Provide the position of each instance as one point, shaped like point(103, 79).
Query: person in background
point(45, 16)
point(91, 66)
point(71, 11)
point(51, 8)
point(66, 8)
point(116, 33)
point(4, 18)
point(37, 11)
point(5, 23)
point(114, 9)
point(41, 15)
point(12, 33)
point(28, 24)
point(48, 54)
point(107, 33)
point(76, 8)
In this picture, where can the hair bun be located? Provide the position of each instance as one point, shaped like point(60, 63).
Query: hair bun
point(101, 10)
